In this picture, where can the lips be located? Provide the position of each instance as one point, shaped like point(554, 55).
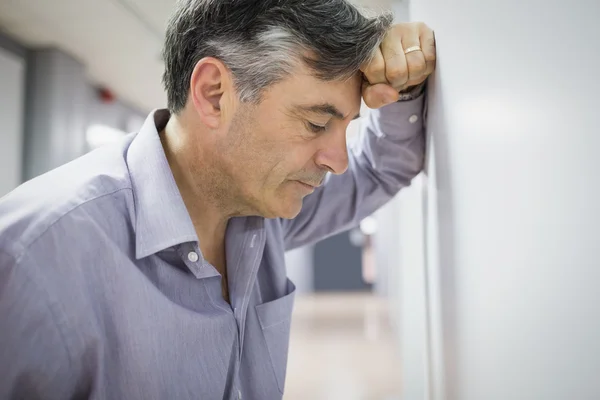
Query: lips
point(313, 185)
point(307, 185)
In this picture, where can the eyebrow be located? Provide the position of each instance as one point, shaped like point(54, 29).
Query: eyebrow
point(326, 108)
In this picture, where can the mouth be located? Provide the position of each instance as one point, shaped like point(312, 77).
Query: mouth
point(308, 186)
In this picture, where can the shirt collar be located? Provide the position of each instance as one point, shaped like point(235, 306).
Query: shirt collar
point(162, 220)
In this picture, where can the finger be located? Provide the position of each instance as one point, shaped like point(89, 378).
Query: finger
point(412, 83)
point(415, 60)
point(379, 95)
point(374, 71)
point(396, 68)
point(427, 38)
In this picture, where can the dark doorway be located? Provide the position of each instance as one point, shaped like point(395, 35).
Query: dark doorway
point(338, 265)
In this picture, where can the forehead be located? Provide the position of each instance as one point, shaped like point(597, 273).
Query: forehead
point(301, 87)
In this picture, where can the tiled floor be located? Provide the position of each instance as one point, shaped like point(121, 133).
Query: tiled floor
point(342, 347)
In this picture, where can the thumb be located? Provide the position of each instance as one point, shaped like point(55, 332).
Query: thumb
point(379, 95)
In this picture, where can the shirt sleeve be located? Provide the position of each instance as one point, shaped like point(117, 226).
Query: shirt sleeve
point(389, 155)
point(35, 360)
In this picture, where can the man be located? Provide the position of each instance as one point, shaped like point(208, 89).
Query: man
point(154, 268)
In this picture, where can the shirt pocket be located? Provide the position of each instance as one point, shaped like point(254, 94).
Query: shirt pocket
point(275, 321)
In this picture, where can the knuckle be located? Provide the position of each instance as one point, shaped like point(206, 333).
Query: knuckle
point(398, 28)
point(430, 42)
point(397, 74)
point(422, 26)
point(375, 67)
point(429, 50)
point(417, 63)
point(417, 70)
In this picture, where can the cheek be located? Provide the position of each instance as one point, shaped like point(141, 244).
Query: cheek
point(272, 153)
point(262, 164)
point(296, 157)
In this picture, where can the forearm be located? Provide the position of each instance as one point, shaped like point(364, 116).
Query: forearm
point(389, 155)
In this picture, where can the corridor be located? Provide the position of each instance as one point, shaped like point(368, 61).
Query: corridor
point(342, 347)
point(478, 280)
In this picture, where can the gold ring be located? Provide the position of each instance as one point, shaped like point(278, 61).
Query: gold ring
point(411, 49)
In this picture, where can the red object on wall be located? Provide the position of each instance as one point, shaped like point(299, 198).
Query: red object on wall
point(106, 95)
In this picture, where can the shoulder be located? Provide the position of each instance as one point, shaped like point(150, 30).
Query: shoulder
point(66, 200)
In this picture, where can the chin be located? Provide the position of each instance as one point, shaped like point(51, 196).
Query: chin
point(291, 213)
point(284, 203)
point(286, 209)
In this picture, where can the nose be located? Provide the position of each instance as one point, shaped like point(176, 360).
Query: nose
point(333, 156)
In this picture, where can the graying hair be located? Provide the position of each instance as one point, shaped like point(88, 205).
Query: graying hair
point(261, 41)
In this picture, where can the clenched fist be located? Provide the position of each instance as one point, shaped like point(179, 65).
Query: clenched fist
point(405, 58)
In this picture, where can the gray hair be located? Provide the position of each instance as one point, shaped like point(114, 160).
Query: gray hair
point(261, 41)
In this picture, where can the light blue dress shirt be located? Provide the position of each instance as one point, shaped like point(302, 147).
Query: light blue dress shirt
point(104, 293)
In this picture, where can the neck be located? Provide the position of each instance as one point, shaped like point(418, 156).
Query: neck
point(200, 184)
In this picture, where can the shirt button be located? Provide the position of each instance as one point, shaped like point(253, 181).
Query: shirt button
point(413, 118)
point(193, 256)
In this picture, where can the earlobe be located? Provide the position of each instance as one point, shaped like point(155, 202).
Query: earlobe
point(207, 85)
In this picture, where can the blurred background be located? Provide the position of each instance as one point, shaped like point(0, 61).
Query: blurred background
point(478, 282)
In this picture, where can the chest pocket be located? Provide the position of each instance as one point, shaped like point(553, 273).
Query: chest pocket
point(275, 319)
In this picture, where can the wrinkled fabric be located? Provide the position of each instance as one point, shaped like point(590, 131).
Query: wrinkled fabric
point(105, 294)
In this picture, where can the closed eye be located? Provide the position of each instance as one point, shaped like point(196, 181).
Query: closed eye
point(316, 128)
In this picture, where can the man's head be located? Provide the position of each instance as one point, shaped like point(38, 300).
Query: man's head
point(267, 89)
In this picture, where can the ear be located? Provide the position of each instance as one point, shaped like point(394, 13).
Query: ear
point(210, 85)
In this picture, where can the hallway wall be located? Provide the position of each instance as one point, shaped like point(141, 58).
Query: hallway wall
point(12, 101)
point(47, 102)
point(512, 200)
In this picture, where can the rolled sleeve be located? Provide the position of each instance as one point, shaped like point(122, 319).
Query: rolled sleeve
point(389, 155)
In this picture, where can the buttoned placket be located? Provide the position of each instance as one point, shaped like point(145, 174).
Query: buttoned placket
point(242, 266)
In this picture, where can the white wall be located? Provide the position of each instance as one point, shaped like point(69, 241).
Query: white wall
point(386, 237)
point(513, 200)
point(12, 72)
point(400, 257)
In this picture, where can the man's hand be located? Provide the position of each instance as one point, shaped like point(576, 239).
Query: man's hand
point(392, 70)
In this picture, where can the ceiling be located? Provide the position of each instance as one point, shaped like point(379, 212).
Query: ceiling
point(119, 41)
